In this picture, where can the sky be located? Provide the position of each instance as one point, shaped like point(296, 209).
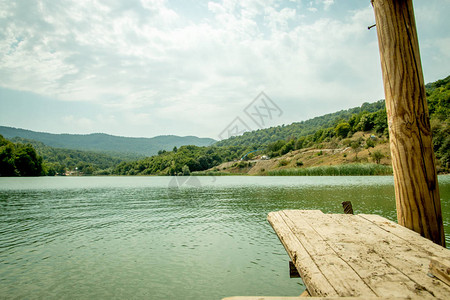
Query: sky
point(143, 68)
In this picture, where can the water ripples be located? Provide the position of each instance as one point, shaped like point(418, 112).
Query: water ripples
point(115, 239)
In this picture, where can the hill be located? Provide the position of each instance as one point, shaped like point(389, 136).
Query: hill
point(106, 143)
point(298, 129)
point(354, 136)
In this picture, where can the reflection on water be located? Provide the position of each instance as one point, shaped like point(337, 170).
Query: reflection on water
point(150, 237)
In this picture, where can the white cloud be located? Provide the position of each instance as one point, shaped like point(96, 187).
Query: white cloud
point(327, 4)
point(144, 63)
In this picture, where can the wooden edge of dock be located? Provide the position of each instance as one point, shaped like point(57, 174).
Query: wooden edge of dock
point(318, 298)
point(363, 249)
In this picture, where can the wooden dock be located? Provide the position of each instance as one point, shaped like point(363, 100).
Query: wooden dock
point(362, 256)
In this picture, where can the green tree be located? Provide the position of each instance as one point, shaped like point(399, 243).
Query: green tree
point(19, 159)
point(7, 166)
point(356, 147)
point(377, 156)
point(366, 122)
point(342, 129)
point(380, 122)
point(186, 171)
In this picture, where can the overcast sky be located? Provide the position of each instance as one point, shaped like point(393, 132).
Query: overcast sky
point(144, 68)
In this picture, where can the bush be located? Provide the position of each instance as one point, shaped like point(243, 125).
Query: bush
point(282, 163)
point(186, 171)
point(370, 143)
point(242, 164)
point(342, 129)
point(377, 156)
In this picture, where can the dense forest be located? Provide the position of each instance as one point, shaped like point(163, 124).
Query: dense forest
point(24, 157)
point(181, 160)
point(17, 159)
point(438, 96)
point(298, 129)
point(58, 161)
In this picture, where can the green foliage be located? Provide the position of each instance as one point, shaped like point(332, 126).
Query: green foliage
point(58, 160)
point(185, 170)
point(438, 96)
point(366, 122)
point(288, 147)
point(377, 156)
point(380, 122)
point(356, 147)
point(370, 143)
point(342, 129)
point(18, 159)
point(243, 164)
point(338, 170)
point(276, 146)
point(300, 129)
point(283, 163)
point(172, 163)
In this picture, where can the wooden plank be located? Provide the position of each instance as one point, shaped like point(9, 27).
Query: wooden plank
point(361, 264)
point(388, 264)
point(337, 271)
point(311, 275)
point(440, 270)
point(358, 257)
point(391, 266)
point(414, 238)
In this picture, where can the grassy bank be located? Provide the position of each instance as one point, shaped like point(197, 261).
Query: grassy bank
point(336, 170)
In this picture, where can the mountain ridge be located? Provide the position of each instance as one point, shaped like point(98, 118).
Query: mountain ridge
point(106, 142)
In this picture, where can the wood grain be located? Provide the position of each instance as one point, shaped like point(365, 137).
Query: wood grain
point(440, 270)
point(413, 161)
point(359, 255)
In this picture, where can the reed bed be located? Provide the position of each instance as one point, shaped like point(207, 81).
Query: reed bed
point(337, 170)
point(213, 173)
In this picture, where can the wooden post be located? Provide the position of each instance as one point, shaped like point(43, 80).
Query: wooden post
point(413, 161)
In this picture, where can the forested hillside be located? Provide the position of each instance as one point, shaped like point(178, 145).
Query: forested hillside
point(181, 160)
point(59, 160)
point(438, 96)
point(298, 129)
point(337, 130)
point(104, 142)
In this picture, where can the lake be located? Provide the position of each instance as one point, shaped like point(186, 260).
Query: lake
point(165, 237)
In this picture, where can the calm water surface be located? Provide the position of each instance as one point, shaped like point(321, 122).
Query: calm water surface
point(164, 237)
